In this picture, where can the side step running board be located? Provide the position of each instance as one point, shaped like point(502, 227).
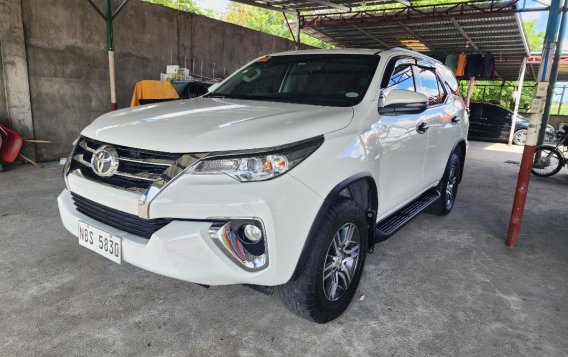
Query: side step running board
point(391, 224)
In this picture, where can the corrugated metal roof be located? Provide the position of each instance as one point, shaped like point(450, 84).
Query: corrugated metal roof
point(314, 5)
point(487, 27)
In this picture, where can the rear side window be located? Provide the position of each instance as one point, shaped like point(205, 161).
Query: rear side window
point(430, 86)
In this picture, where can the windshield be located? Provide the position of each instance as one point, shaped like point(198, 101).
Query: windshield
point(329, 80)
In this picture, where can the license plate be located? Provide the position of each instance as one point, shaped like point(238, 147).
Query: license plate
point(100, 241)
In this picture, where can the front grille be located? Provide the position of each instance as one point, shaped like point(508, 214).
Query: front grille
point(137, 169)
point(118, 219)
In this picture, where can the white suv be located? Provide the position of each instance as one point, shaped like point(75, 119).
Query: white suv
point(285, 174)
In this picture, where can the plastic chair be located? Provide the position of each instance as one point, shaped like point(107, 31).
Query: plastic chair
point(10, 144)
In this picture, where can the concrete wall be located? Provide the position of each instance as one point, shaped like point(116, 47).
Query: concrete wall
point(15, 109)
point(556, 120)
point(65, 41)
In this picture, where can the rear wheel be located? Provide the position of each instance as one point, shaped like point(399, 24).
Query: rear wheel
point(520, 137)
point(548, 161)
point(330, 275)
point(448, 188)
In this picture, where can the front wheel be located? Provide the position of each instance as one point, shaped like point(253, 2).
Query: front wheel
point(548, 161)
point(330, 275)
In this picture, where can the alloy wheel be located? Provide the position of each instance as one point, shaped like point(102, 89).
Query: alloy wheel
point(451, 186)
point(520, 137)
point(341, 261)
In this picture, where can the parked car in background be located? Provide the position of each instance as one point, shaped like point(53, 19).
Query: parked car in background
point(492, 122)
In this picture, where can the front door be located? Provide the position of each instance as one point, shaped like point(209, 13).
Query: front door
point(402, 147)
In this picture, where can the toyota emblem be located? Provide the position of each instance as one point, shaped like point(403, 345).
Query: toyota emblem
point(105, 161)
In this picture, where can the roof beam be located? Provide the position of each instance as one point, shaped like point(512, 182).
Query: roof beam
point(464, 34)
point(371, 36)
point(333, 5)
point(414, 34)
point(264, 6)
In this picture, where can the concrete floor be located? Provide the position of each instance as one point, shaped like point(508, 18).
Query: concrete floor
point(441, 286)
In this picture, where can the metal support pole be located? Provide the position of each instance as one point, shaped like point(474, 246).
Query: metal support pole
point(532, 132)
point(110, 48)
point(553, 75)
point(108, 15)
point(561, 100)
point(298, 40)
point(517, 101)
point(469, 91)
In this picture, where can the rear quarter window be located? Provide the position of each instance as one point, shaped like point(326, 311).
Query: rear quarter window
point(449, 79)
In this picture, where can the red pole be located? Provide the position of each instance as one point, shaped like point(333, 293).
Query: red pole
point(535, 121)
point(520, 196)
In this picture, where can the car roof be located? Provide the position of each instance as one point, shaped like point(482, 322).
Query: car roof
point(334, 51)
point(395, 51)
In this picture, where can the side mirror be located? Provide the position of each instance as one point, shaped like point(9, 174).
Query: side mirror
point(213, 87)
point(399, 101)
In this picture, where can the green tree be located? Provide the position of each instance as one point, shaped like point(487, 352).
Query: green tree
point(267, 21)
point(184, 5)
point(534, 38)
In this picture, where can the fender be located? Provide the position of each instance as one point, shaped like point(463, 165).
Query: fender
point(463, 144)
point(327, 202)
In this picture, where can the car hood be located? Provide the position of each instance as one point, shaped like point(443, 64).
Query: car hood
point(214, 124)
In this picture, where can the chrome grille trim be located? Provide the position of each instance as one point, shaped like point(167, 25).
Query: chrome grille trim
point(84, 145)
point(141, 171)
point(157, 162)
point(183, 163)
point(79, 173)
point(144, 176)
point(138, 169)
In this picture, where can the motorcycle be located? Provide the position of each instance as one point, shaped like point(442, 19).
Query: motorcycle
point(549, 159)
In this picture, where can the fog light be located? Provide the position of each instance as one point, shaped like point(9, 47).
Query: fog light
point(253, 233)
point(242, 241)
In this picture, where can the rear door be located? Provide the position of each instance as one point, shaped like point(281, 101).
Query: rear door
point(442, 132)
point(496, 122)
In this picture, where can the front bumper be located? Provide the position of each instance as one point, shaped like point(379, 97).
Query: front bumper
point(183, 249)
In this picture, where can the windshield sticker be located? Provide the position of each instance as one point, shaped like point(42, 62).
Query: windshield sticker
point(351, 95)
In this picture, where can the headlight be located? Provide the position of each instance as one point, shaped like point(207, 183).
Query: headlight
point(257, 165)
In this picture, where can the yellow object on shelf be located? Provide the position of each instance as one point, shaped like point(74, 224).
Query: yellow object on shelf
point(149, 89)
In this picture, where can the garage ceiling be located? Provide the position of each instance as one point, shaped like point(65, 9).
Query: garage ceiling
point(487, 27)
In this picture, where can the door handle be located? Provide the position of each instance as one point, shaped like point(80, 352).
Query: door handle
point(455, 119)
point(482, 118)
point(422, 127)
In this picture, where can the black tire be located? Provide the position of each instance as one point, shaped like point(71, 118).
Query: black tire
point(310, 295)
point(520, 137)
point(448, 188)
point(1, 167)
point(548, 161)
